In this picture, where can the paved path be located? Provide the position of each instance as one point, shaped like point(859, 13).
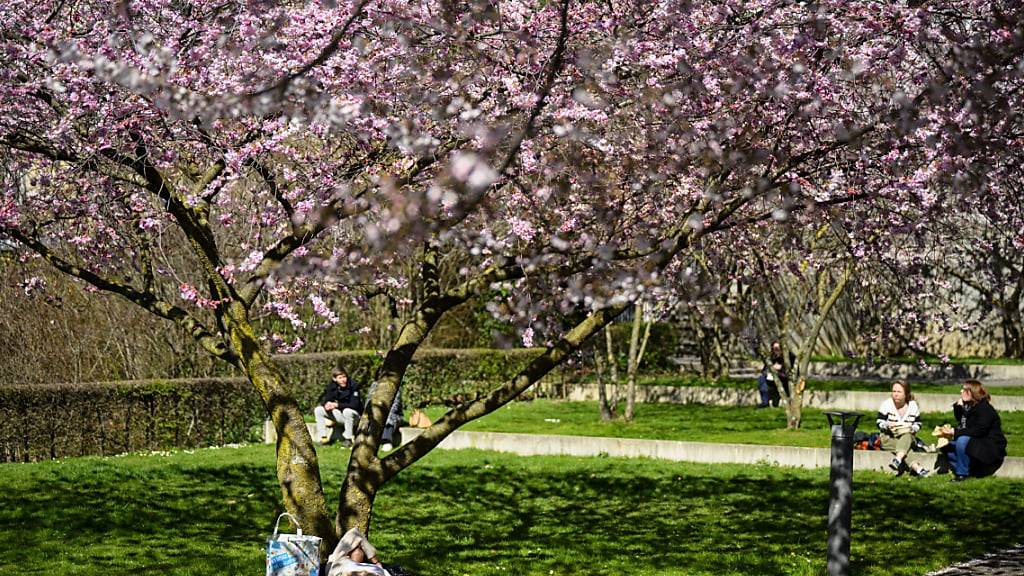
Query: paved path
point(1009, 562)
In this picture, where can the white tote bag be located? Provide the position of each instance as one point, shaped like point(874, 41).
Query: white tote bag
point(292, 554)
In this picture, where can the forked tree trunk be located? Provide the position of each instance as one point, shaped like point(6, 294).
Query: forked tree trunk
point(367, 474)
point(798, 372)
point(298, 468)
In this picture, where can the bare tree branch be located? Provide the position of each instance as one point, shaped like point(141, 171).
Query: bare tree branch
point(209, 340)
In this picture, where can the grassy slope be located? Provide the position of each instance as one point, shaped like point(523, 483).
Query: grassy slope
point(695, 423)
point(482, 514)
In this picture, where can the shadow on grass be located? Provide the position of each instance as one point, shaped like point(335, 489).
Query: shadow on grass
point(597, 520)
point(482, 513)
point(151, 520)
point(583, 522)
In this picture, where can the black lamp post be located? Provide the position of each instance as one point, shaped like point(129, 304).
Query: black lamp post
point(840, 490)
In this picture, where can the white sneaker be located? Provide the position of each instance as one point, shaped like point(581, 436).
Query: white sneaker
point(387, 447)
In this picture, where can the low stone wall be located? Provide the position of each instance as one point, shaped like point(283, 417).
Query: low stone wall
point(996, 375)
point(703, 452)
point(1001, 374)
point(826, 400)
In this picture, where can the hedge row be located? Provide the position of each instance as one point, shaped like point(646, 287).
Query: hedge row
point(434, 376)
point(58, 420)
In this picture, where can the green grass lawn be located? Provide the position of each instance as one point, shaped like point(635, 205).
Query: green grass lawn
point(486, 514)
point(695, 423)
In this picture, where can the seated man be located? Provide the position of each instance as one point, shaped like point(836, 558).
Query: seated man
point(340, 402)
point(354, 556)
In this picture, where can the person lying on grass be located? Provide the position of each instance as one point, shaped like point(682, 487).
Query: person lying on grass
point(899, 419)
point(354, 556)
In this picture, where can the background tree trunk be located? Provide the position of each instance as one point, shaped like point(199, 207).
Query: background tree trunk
point(1013, 334)
point(602, 397)
point(637, 347)
point(612, 361)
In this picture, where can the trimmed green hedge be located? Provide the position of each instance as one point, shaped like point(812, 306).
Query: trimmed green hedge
point(435, 374)
point(58, 420)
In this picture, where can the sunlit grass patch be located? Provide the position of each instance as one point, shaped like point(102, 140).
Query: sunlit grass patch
point(696, 423)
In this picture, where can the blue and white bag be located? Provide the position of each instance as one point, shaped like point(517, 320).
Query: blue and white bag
point(292, 554)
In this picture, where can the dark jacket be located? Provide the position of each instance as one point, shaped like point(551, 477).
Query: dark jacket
point(783, 374)
point(982, 424)
point(347, 397)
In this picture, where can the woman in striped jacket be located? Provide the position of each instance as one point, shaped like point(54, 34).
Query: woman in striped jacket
point(899, 419)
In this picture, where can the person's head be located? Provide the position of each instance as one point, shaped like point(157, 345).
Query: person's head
point(973, 392)
point(357, 555)
point(776, 347)
point(340, 376)
point(901, 393)
point(354, 545)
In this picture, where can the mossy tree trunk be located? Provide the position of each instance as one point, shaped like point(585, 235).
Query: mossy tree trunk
point(298, 468)
point(365, 475)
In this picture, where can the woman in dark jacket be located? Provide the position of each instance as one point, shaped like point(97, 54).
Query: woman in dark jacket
point(977, 445)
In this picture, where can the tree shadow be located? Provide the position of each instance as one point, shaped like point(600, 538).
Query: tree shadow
point(487, 513)
point(769, 521)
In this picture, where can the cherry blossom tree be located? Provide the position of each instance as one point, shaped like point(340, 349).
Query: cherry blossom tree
point(214, 161)
point(798, 291)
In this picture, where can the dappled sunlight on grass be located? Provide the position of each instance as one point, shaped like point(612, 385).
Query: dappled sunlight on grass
point(484, 513)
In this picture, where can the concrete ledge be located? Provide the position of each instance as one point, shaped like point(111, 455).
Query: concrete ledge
point(990, 374)
point(703, 452)
point(270, 434)
point(826, 400)
point(1005, 374)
